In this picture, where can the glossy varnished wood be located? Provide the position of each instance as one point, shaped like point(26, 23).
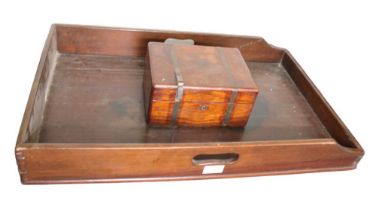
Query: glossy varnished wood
point(85, 122)
point(210, 76)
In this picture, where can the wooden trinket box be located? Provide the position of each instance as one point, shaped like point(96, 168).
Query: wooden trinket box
point(195, 85)
point(85, 117)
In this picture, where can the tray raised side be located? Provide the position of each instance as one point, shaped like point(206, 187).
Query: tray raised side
point(84, 121)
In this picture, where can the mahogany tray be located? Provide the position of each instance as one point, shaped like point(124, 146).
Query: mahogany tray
point(85, 122)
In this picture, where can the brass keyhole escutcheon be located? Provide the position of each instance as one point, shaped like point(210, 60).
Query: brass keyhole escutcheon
point(204, 107)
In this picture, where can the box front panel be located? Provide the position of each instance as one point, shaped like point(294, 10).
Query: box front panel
point(202, 109)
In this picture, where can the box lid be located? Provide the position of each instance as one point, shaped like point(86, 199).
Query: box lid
point(207, 73)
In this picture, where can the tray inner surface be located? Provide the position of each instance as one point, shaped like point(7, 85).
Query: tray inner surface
point(98, 99)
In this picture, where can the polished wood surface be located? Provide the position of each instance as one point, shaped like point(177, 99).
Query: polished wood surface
point(210, 75)
point(98, 99)
point(84, 121)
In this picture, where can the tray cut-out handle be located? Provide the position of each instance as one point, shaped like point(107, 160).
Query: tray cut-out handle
point(215, 159)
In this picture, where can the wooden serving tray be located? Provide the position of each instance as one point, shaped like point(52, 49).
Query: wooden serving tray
point(85, 121)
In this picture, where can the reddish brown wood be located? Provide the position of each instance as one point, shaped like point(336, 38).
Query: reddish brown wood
point(133, 42)
point(210, 75)
point(111, 163)
point(84, 121)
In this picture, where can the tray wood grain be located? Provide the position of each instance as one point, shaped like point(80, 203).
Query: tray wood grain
point(84, 121)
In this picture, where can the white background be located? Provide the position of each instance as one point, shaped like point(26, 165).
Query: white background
point(334, 42)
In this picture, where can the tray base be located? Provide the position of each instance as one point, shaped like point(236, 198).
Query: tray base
point(98, 99)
